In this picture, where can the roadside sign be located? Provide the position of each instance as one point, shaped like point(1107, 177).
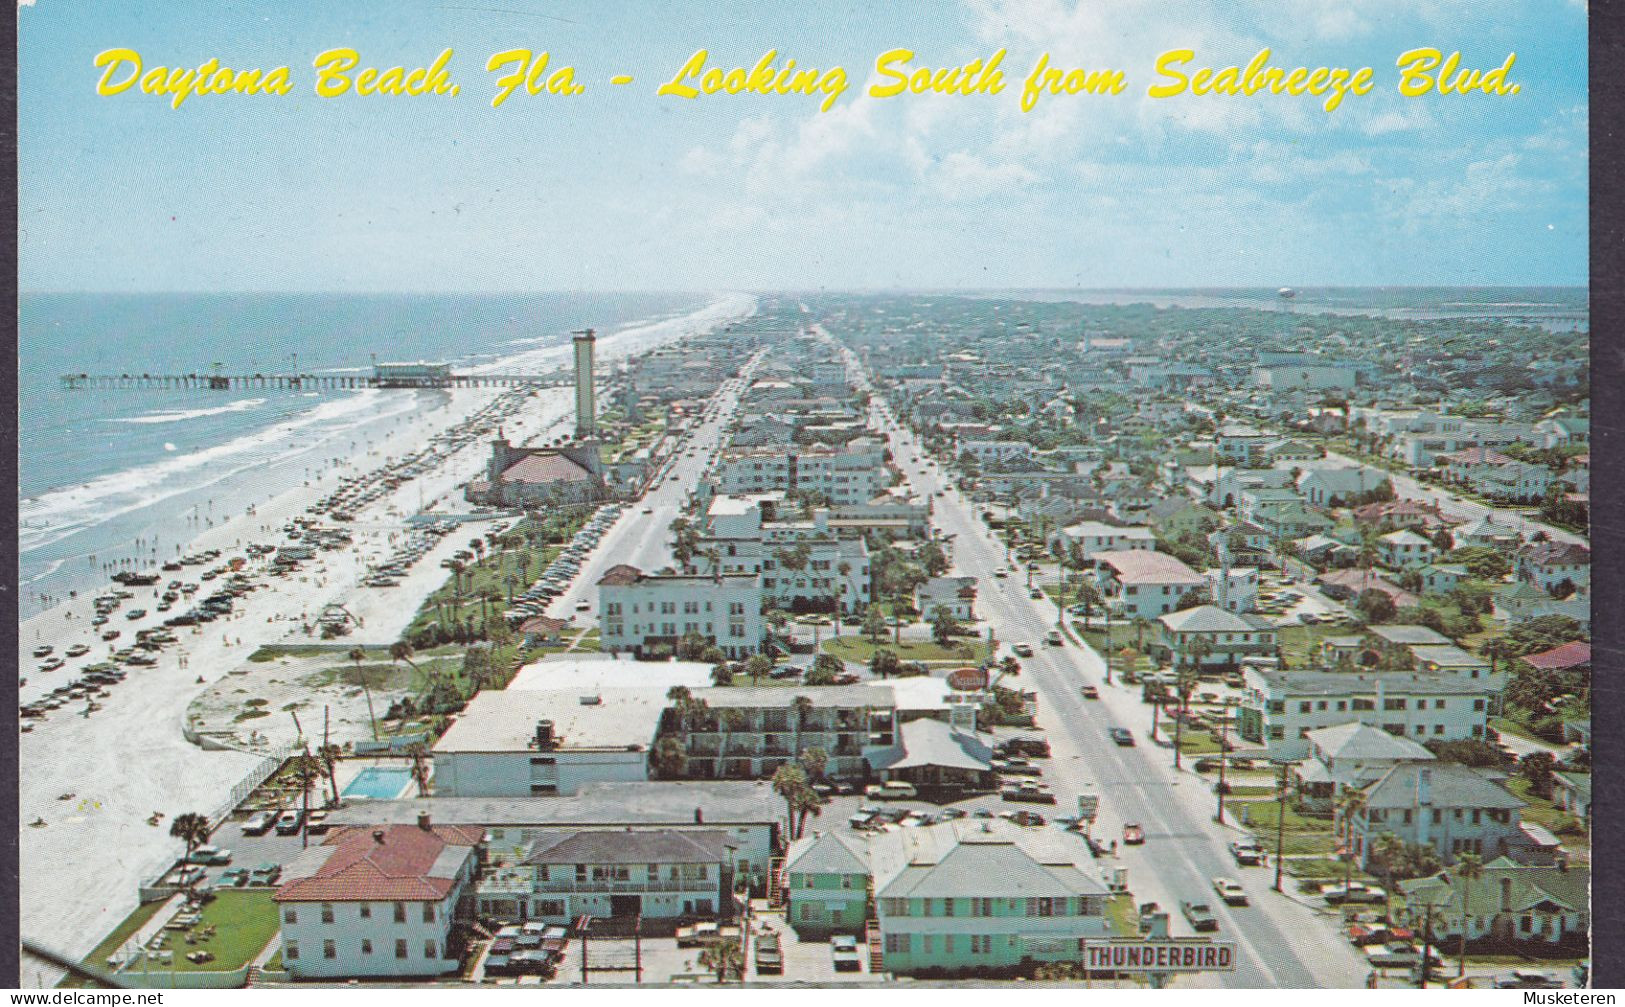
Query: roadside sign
point(1088, 806)
point(1159, 956)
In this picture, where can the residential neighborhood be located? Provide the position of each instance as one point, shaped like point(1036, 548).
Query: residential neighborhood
point(882, 638)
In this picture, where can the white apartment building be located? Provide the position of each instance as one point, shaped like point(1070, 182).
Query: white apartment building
point(648, 614)
point(1279, 708)
point(844, 476)
point(829, 572)
point(651, 873)
point(1097, 537)
point(1144, 583)
point(543, 742)
point(376, 902)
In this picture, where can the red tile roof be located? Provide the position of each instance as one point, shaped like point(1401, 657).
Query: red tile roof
point(1569, 655)
point(1142, 566)
point(620, 575)
point(545, 468)
point(390, 864)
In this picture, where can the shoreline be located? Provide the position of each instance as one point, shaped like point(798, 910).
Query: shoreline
point(130, 759)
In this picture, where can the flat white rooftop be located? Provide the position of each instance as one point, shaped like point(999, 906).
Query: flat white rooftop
point(604, 671)
point(506, 721)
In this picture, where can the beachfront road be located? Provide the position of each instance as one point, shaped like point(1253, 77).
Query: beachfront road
point(641, 536)
point(1280, 942)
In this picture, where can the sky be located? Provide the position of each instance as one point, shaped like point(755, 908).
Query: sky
point(618, 188)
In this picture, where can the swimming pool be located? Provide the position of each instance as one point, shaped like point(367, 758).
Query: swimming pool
point(384, 783)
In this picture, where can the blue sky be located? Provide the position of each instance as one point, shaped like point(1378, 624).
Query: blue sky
point(620, 189)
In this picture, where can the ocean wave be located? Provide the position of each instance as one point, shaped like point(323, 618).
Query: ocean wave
point(179, 415)
point(56, 514)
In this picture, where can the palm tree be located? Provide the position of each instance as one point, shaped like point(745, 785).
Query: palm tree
point(478, 547)
point(358, 655)
point(668, 756)
point(191, 829)
point(1388, 848)
point(1141, 624)
point(1348, 806)
point(790, 783)
point(1184, 684)
point(724, 957)
point(400, 651)
point(420, 766)
point(329, 754)
point(1089, 597)
point(1469, 868)
point(307, 770)
point(843, 568)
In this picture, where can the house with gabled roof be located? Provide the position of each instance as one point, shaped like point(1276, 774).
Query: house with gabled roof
point(1453, 808)
point(1350, 755)
point(973, 896)
point(1508, 907)
point(827, 878)
point(1548, 564)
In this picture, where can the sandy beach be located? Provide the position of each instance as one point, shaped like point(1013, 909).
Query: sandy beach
point(130, 759)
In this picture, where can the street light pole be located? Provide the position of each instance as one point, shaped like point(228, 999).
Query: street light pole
point(1280, 827)
point(1224, 756)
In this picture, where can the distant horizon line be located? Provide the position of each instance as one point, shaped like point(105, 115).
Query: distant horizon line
point(514, 292)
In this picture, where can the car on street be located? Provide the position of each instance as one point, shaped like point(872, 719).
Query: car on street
point(1122, 736)
point(1090, 692)
point(1053, 638)
point(1023, 649)
point(1200, 916)
point(1230, 891)
point(1528, 979)
point(1133, 834)
point(1248, 853)
point(1037, 594)
point(843, 948)
point(1028, 792)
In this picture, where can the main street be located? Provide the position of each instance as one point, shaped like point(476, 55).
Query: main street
point(641, 536)
point(1280, 941)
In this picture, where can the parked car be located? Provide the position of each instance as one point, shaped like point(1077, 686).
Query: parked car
point(891, 790)
point(236, 877)
point(288, 822)
point(1337, 894)
point(1053, 638)
point(259, 823)
point(209, 854)
point(844, 950)
point(1199, 915)
point(1230, 891)
point(1528, 979)
point(769, 957)
point(1248, 853)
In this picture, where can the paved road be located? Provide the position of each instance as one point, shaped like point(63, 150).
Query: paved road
point(641, 536)
point(1280, 942)
point(1408, 488)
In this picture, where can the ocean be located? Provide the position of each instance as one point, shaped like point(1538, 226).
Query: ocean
point(122, 475)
